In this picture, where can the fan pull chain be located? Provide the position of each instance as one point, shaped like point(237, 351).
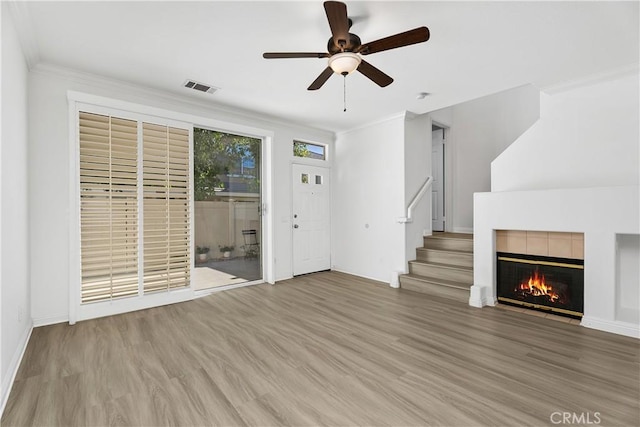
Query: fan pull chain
point(344, 93)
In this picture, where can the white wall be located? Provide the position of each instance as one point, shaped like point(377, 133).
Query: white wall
point(380, 167)
point(367, 200)
point(479, 131)
point(49, 174)
point(417, 167)
point(14, 230)
point(585, 137)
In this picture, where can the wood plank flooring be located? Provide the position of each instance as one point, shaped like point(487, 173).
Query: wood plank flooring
point(323, 349)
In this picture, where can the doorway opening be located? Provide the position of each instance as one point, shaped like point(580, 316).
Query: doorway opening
point(438, 162)
point(228, 227)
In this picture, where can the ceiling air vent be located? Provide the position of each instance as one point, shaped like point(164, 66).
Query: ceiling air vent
point(201, 87)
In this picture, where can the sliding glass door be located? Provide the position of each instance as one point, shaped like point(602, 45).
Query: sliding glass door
point(227, 202)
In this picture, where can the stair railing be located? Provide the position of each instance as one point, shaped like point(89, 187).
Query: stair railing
point(416, 199)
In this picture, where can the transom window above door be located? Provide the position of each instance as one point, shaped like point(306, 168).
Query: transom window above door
point(309, 150)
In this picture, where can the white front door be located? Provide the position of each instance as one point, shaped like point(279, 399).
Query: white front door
point(311, 213)
point(437, 190)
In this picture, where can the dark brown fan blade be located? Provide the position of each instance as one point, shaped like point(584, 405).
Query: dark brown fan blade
point(322, 78)
point(338, 21)
point(377, 76)
point(281, 55)
point(417, 35)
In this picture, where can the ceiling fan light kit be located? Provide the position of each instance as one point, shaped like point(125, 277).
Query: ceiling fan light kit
point(345, 49)
point(344, 63)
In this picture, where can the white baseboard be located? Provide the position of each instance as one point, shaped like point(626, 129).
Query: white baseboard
point(477, 297)
point(467, 230)
point(8, 380)
point(375, 279)
point(45, 321)
point(621, 328)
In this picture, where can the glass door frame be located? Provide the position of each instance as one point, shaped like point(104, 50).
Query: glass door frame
point(100, 104)
point(266, 218)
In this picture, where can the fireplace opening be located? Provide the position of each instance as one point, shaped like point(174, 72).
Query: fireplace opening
point(541, 283)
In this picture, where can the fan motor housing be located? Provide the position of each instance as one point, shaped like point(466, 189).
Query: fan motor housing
point(351, 45)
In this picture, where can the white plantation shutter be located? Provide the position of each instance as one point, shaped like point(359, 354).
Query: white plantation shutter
point(108, 207)
point(166, 207)
point(111, 235)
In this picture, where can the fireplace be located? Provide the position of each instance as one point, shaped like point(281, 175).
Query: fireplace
point(542, 283)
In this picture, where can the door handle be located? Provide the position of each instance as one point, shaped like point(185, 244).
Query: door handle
point(296, 226)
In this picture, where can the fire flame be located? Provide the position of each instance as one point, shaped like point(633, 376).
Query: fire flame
point(536, 286)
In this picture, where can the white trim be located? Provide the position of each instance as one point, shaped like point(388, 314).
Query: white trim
point(109, 106)
point(25, 29)
point(140, 195)
point(51, 320)
point(204, 292)
point(466, 230)
point(476, 297)
point(12, 370)
point(591, 79)
point(192, 212)
point(382, 282)
point(396, 116)
point(622, 328)
point(75, 277)
point(189, 97)
point(266, 210)
point(125, 305)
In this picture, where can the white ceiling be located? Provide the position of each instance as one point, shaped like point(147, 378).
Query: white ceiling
point(476, 48)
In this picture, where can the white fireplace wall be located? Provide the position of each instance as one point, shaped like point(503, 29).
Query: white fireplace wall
point(600, 213)
point(628, 278)
point(585, 137)
point(576, 170)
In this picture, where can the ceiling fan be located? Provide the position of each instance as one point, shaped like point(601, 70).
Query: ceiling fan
point(345, 49)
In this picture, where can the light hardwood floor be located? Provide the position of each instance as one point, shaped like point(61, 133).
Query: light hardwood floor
point(323, 349)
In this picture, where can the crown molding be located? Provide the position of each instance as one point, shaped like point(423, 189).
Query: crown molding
point(26, 34)
point(592, 79)
point(152, 95)
point(402, 115)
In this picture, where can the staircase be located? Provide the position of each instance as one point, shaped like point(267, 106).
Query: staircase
point(444, 266)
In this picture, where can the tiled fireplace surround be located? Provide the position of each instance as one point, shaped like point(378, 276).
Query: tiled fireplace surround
point(542, 243)
point(605, 216)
